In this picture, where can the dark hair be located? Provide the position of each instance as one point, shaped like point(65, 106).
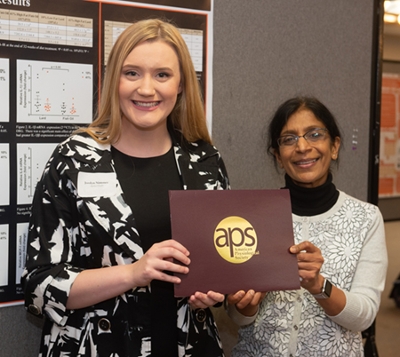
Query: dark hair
point(293, 105)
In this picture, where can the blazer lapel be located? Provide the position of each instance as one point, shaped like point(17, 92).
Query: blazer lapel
point(109, 211)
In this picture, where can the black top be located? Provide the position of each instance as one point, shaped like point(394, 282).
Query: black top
point(312, 201)
point(145, 183)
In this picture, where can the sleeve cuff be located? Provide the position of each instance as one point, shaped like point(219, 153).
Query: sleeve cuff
point(238, 318)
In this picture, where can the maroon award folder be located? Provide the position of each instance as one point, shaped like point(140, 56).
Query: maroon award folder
point(237, 239)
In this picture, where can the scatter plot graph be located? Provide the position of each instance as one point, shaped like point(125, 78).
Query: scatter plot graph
point(32, 159)
point(54, 92)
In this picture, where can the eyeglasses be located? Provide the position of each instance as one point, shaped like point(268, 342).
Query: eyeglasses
point(312, 136)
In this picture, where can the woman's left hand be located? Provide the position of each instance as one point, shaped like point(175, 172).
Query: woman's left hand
point(201, 301)
point(309, 260)
point(246, 302)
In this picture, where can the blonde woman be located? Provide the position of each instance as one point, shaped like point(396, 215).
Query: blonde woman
point(100, 253)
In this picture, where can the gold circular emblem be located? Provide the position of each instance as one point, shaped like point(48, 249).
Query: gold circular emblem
point(235, 239)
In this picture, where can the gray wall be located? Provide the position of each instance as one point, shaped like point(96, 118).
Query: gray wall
point(19, 333)
point(267, 51)
point(264, 53)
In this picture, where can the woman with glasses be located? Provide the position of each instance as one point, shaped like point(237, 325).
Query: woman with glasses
point(339, 243)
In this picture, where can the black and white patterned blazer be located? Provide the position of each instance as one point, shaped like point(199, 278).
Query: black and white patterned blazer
point(73, 229)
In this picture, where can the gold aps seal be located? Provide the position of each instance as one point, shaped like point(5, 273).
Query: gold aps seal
point(235, 239)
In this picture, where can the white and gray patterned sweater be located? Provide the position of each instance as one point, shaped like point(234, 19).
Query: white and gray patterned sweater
point(69, 232)
point(292, 323)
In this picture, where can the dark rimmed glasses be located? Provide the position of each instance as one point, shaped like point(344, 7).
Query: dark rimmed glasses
point(312, 136)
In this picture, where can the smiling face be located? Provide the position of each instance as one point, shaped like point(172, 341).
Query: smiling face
point(150, 82)
point(306, 163)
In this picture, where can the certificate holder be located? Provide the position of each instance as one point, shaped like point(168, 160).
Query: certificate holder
point(237, 239)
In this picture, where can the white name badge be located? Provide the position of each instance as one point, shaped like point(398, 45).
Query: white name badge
point(97, 184)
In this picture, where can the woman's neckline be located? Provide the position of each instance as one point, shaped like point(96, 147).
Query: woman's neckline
point(113, 148)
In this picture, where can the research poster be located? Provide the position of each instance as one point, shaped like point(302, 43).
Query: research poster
point(52, 57)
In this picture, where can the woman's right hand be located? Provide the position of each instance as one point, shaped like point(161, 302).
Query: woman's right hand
point(159, 259)
point(92, 286)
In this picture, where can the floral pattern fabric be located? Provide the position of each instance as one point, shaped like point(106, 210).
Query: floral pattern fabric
point(292, 323)
point(73, 229)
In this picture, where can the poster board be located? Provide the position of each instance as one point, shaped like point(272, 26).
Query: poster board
point(52, 58)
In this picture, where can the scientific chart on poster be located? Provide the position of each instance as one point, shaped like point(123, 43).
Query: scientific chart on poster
point(52, 58)
point(54, 92)
point(31, 159)
point(4, 90)
point(4, 254)
point(5, 174)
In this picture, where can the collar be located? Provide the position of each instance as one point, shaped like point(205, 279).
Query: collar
point(312, 201)
point(85, 149)
point(82, 147)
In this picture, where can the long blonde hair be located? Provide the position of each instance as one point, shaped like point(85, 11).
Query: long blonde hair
point(188, 114)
